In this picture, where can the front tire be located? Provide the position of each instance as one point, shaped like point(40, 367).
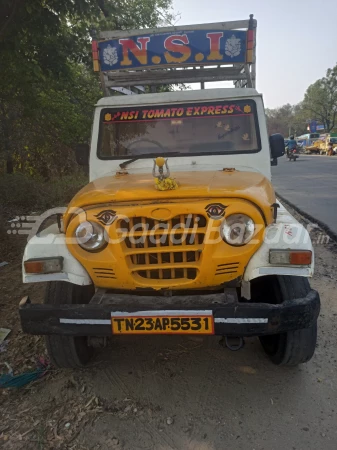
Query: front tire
point(294, 347)
point(68, 351)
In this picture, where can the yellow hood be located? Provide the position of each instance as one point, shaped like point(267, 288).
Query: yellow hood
point(250, 186)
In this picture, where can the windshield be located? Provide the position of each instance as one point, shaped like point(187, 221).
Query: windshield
point(186, 129)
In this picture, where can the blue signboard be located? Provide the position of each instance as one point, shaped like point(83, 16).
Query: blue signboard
point(188, 48)
point(313, 126)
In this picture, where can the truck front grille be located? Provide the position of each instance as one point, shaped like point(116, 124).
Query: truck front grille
point(164, 250)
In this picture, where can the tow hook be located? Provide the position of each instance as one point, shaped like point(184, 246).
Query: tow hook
point(234, 343)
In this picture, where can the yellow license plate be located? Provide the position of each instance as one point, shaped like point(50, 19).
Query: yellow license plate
point(166, 323)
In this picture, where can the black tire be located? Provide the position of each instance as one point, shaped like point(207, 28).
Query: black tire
point(68, 351)
point(294, 347)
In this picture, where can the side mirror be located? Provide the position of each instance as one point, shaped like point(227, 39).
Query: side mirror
point(82, 154)
point(277, 147)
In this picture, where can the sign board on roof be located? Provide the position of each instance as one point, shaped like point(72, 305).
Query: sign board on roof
point(190, 48)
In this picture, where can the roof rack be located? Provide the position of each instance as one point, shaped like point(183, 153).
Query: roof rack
point(223, 51)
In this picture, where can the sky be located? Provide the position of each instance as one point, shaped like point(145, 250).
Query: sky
point(296, 40)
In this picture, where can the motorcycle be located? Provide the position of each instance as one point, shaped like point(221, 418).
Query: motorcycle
point(293, 154)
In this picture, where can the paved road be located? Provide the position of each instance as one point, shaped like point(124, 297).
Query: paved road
point(311, 184)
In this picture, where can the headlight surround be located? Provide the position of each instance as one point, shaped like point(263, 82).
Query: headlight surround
point(237, 229)
point(91, 236)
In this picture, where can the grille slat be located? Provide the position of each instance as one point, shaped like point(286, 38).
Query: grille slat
point(160, 261)
point(144, 243)
point(163, 232)
point(165, 250)
point(110, 277)
point(184, 261)
point(175, 237)
point(227, 269)
point(172, 262)
point(226, 273)
point(102, 272)
point(164, 266)
point(140, 249)
point(133, 245)
point(229, 264)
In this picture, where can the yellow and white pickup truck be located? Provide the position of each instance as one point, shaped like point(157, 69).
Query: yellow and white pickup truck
point(179, 230)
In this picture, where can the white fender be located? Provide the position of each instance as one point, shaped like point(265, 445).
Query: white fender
point(51, 243)
point(286, 233)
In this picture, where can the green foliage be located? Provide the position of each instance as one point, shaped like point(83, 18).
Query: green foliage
point(21, 193)
point(320, 100)
point(320, 103)
point(39, 139)
point(287, 120)
point(279, 119)
point(47, 86)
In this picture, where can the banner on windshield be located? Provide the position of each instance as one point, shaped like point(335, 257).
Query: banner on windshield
point(148, 113)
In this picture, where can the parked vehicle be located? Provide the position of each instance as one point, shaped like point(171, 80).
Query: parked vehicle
point(179, 230)
point(307, 141)
point(324, 142)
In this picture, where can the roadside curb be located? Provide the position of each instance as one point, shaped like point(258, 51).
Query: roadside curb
point(332, 235)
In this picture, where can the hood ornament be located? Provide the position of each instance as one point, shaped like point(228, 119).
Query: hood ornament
point(160, 162)
point(163, 181)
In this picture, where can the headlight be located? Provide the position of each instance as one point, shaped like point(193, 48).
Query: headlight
point(91, 236)
point(237, 229)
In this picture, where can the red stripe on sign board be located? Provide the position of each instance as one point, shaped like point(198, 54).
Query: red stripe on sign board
point(94, 46)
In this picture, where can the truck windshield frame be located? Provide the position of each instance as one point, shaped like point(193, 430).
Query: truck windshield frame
point(231, 128)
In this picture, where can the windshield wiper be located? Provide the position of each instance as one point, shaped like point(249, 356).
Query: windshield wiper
point(150, 155)
point(126, 163)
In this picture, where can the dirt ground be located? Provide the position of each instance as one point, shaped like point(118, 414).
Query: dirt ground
point(161, 393)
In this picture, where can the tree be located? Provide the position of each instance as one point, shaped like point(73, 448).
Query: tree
point(320, 100)
point(44, 55)
point(287, 119)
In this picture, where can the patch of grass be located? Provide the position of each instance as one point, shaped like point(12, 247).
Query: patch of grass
point(23, 194)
